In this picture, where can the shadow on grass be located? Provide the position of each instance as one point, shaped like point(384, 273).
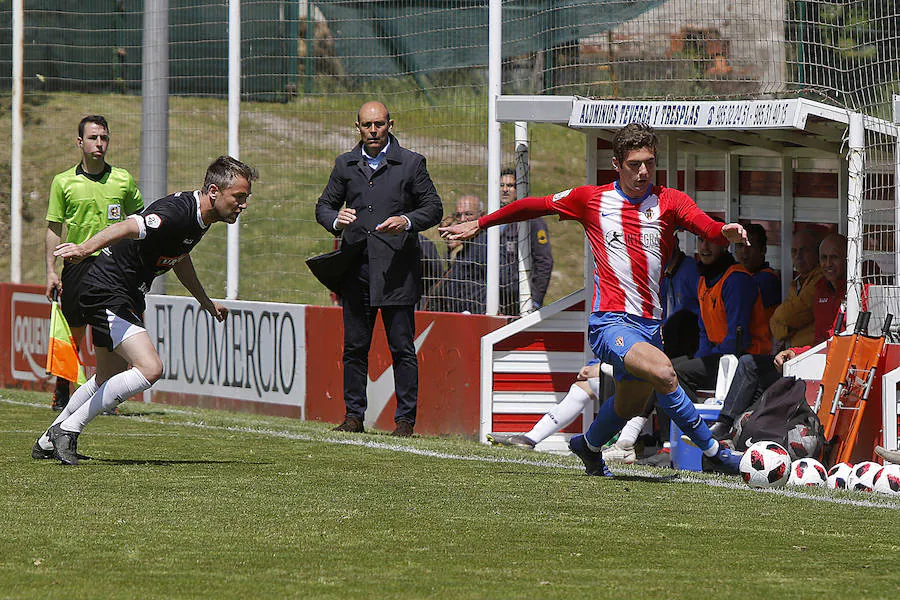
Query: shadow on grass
point(616, 476)
point(143, 413)
point(168, 463)
point(647, 478)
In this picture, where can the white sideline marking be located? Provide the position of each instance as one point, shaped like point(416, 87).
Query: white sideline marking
point(680, 476)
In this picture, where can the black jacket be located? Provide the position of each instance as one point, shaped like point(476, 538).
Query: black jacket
point(401, 186)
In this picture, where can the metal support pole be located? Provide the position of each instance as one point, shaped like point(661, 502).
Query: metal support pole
point(787, 220)
point(309, 64)
point(233, 243)
point(155, 109)
point(493, 178)
point(526, 302)
point(15, 208)
point(896, 103)
point(856, 158)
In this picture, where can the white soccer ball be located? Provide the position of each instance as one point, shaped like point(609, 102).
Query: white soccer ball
point(807, 472)
point(765, 465)
point(839, 476)
point(802, 442)
point(888, 480)
point(862, 477)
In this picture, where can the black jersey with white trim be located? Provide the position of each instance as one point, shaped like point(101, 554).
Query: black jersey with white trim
point(171, 227)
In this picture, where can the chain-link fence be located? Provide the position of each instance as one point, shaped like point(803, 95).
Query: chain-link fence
point(307, 66)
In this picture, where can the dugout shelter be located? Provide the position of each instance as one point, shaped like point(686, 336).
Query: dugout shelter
point(787, 164)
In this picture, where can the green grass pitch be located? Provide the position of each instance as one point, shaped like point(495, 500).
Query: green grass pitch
point(184, 503)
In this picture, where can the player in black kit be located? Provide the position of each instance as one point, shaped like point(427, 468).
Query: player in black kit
point(111, 294)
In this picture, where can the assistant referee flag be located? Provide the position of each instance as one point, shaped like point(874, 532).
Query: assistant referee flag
point(62, 354)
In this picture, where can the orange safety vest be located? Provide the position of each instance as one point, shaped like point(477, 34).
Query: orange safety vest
point(712, 312)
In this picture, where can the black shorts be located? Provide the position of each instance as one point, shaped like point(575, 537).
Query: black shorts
point(110, 315)
point(71, 278)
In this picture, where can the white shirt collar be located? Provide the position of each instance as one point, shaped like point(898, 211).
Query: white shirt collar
point(199, 216)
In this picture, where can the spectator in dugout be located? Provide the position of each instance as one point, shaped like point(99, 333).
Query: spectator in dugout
point(756, 373)
point(752, 257)
point(732, 317)
point(792, 322)
point(681, 309)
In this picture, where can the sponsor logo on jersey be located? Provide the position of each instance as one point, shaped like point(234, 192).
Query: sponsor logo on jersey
point(169, 261)
point(153, 221)
point(114, 212)
point(620, 341)
point(615, 240)
point(187, 241)
point(561, 195)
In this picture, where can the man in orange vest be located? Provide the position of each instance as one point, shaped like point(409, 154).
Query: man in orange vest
point(732, 318)
point(755, 373)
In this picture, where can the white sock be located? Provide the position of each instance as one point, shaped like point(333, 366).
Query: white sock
point(81, 395)
point(560, 415)
point(712, 450)
point(114, 391)
point(631, 431)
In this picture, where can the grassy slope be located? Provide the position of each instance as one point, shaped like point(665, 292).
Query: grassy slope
point(294, 146)
point(188, 503)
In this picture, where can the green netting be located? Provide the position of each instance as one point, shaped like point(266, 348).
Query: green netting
point(377, 39)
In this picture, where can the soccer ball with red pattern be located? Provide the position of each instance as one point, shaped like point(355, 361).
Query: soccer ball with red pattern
point(888, 480)
point(807, 472)
point(766, 465)
point(839, 476)
point(862, 477)
point(802, 442)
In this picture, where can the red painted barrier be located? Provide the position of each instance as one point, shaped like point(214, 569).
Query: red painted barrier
point(449, 370)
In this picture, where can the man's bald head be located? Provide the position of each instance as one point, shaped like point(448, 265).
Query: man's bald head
point(373, 107)
point(833, 258)
point(373, 122)
point(469, 208)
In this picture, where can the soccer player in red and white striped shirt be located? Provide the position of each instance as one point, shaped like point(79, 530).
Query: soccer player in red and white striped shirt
point(630, 225)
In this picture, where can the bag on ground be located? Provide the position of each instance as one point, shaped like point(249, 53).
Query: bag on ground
point(783, 415)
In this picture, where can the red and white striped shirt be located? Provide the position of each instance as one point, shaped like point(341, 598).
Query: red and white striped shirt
point(632, 240)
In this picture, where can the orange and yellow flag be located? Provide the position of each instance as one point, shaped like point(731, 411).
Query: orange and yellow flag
point(62, 355)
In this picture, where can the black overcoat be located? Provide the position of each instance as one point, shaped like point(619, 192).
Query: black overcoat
point(401, 186)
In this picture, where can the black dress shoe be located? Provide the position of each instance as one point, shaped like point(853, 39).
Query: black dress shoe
point(351, 425)
point(720, 431)
point(403, 429)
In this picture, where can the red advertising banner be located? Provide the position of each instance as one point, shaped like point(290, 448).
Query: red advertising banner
point(449, 352)
point(24, 331)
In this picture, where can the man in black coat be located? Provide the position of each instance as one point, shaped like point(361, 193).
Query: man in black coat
point(378, 198)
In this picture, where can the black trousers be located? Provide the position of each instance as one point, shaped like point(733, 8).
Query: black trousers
point(697, 374)
point(400, 326)
point(755, 373)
